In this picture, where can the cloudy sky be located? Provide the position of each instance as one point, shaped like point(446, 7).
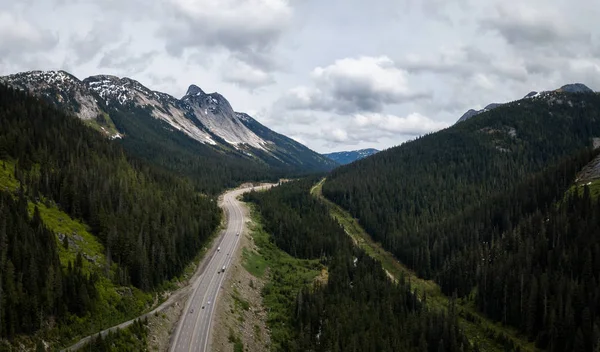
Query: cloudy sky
point(336, 74)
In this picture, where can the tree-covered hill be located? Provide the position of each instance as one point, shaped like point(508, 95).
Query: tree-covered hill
point(199, 135)
point(359, 308)
point(150, 221)
point(455, 206)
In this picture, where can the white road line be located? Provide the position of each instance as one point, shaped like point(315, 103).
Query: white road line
point(210, 286)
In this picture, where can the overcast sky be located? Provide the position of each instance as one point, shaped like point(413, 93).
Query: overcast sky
point(332, 74)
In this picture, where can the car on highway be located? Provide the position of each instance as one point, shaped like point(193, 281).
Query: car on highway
point(219, 249)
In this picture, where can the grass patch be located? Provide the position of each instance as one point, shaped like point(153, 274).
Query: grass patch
point(103, 121)
point(594, 187)
point(114, 304)
point(286, 276)
point(79, 239)
point(488, 335)
point(8, 182)
point(254, 263)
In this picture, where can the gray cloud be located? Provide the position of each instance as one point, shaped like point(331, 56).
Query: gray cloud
point(532, 27)
point(21, 37)
point(364, 128)
point(122, 60)
point(86, 47)
point(248, 29)
point(245, 75)
point(466, 62)
point(354, 85)
point(286, 57)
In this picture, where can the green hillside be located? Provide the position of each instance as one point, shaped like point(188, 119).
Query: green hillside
point(460, 206)
point(115, 228)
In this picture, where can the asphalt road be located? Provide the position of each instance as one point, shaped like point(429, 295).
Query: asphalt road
point(193, 329)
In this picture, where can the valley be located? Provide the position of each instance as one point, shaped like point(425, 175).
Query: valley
point(447, 242)
point(299, 176)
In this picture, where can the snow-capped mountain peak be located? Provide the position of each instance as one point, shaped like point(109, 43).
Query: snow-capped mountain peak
point(194, 90)
point(207, 118)
point(215, 112)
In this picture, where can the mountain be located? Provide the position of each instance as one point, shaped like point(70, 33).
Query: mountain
point(467, 115)
point(344, 158)
point(491, 209)
point(109, 104)
point(89, 235)
point(568, 88)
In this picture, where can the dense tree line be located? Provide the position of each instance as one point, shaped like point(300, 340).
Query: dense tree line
point(150, 221)
point(544, 276)
point(359, 308)
point(305, 234)
point(132, 339)
point(451, 250)
point(33, 285)
point(455, 206)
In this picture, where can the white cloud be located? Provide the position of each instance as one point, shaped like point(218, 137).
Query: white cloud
point(315, 66)
point(413, 124)
point(353, 84)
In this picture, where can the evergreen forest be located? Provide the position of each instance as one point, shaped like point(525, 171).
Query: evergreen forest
point(487, 209)
point(151, 222)
point(359, 308)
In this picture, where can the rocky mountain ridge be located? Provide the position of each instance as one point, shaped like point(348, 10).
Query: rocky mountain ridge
point(568, 88)
point(206, 118)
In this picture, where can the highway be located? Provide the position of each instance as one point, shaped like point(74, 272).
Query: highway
point(193, 330)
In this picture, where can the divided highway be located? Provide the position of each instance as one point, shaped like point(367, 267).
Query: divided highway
point(193, 329)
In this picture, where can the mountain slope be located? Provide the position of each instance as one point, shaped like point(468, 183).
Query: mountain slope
point(467, 161)
point(149, 224)
point(468, 205)
point(344, 158)
point(207, 118)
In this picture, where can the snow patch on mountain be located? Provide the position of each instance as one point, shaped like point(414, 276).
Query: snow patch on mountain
point(59, 86)
point(163, 106)
point(109, 88)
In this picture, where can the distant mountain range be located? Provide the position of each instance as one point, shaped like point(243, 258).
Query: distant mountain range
point(103, 100)
point(347, 157)
point(569, 88)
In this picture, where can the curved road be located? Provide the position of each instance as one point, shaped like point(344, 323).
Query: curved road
point(193, 329)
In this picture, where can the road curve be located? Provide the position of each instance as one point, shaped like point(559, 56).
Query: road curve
point(199, 285)
point(193, 329)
